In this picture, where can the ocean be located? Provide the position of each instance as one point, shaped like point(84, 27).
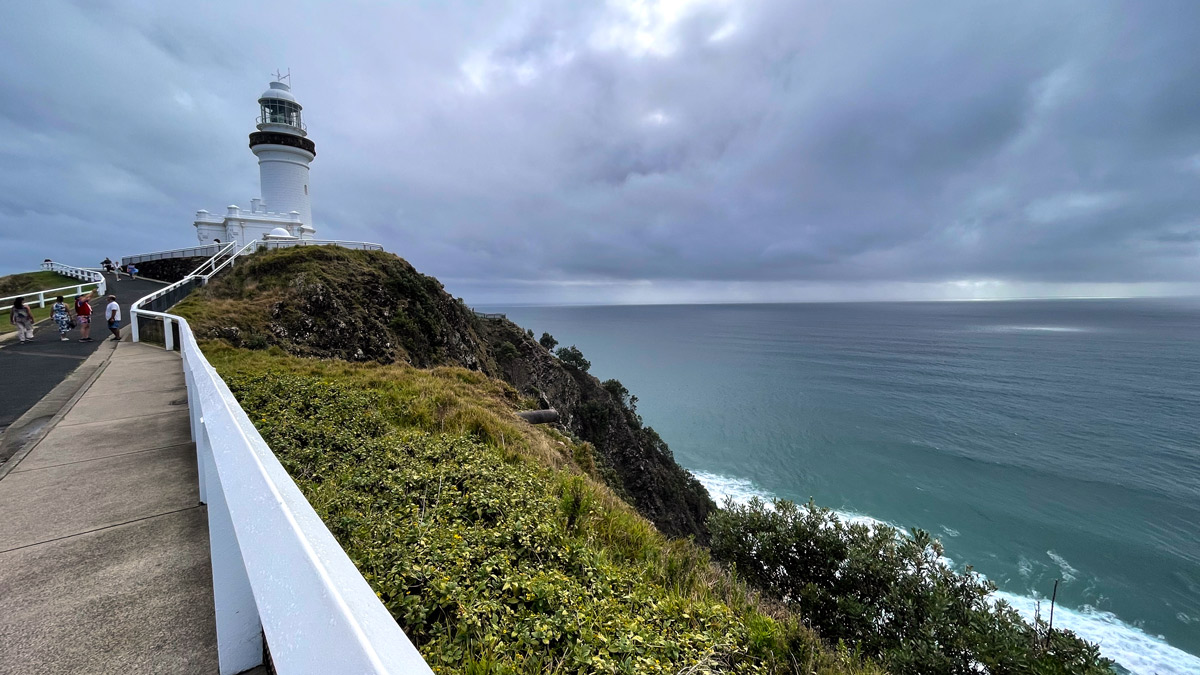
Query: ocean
point(1039, 440)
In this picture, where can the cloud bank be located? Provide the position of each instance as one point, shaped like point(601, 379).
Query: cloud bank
point(634, 151)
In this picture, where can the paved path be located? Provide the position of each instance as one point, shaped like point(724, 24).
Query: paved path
point(32, 370)
point(104, 564)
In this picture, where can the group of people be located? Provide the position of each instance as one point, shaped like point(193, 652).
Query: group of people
point(115, 269)
point(21, 315)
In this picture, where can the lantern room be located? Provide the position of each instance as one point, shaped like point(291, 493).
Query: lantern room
point(280, 111)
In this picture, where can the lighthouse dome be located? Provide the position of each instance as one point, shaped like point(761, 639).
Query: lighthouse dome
point(278, 90)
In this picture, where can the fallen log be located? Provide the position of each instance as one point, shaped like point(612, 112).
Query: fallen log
point(547, 416)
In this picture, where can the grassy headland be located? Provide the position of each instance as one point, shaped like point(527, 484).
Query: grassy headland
point(508, 548)
point(488, 539)
point(31, 282)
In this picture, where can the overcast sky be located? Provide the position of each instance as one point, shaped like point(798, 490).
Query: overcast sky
point(680, 150)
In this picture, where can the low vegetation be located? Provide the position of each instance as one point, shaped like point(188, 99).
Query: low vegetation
point(889, 594)
point(487, 538)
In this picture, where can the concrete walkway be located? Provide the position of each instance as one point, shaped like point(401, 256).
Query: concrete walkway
point(104, 563)
point(32, 370)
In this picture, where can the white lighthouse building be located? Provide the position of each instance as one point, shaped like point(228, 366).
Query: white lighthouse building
point(284, 152)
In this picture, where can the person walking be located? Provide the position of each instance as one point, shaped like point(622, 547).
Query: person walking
point(62, 317)
point(113, 314)
point(133, 270)
point(22, 317)
point(83, 310)
point(112, 269)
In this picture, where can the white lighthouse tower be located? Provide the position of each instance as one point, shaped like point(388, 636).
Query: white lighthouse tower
point(284, 153)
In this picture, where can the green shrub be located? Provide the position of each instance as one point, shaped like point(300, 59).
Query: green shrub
point(548, 342)
point(506, 351)
point(888, 594)
point(573, 357)
point(499, 566)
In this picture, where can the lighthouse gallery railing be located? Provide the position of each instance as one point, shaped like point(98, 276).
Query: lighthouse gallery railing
point(277, 570)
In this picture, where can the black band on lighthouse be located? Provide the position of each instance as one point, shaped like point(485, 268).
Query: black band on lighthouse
point(275, 138)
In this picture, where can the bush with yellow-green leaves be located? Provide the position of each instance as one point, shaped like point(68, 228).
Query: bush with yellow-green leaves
point(494, 563)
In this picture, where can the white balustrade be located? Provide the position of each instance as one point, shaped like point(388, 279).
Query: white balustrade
point(92, 277)
point(191, 252)
point(277, 570)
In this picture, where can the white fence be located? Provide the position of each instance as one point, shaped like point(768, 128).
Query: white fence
point(209, 250)
point(277, 570)
point(193, 252)
point(90, 277)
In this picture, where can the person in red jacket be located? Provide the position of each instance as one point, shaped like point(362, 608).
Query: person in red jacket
point(83, 310)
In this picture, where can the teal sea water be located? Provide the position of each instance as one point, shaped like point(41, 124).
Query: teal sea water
point(1040, 440)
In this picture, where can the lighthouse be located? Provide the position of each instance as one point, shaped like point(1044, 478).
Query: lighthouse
point(284, 153)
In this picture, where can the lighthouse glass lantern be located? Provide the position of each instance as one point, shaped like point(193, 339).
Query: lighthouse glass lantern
point(280, 111)
point(284, 153)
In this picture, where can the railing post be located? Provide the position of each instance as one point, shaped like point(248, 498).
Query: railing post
point(168, 336)
point(196, 420)
point(133, 324)
point(41, 298)
point(239, 631)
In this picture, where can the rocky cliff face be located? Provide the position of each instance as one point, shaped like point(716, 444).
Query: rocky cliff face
point(372, 306)
point(170, 269)
point(633, 459)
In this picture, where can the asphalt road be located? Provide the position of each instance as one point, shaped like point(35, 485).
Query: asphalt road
point(29, 371)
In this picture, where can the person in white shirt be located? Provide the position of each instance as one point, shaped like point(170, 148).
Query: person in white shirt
point(113, 314)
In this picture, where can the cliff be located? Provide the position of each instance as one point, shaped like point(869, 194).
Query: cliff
point(370, 306)
point(635, 461)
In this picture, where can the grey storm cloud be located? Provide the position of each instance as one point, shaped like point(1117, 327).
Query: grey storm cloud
point(529, 150)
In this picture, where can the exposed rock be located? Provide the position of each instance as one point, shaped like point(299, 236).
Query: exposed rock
point(635, 460)
point(170, 269)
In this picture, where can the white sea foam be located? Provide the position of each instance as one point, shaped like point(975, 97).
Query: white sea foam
point(740, 490)
point(1024, 566)
point(949, 531)
point(1068, 573)
point(1132, 648)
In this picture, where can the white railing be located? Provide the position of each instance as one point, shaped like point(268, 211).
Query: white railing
point(288, 243)
point(90, 277)
point(208, 266)
point(277, 570)
point(193, 252)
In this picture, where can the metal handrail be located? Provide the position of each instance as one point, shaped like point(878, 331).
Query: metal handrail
point(224, 250)
point(284, 243)
point(89, 276)
point(191, 252)
point(267, 120)
point(6, 303)
point(277, 571)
